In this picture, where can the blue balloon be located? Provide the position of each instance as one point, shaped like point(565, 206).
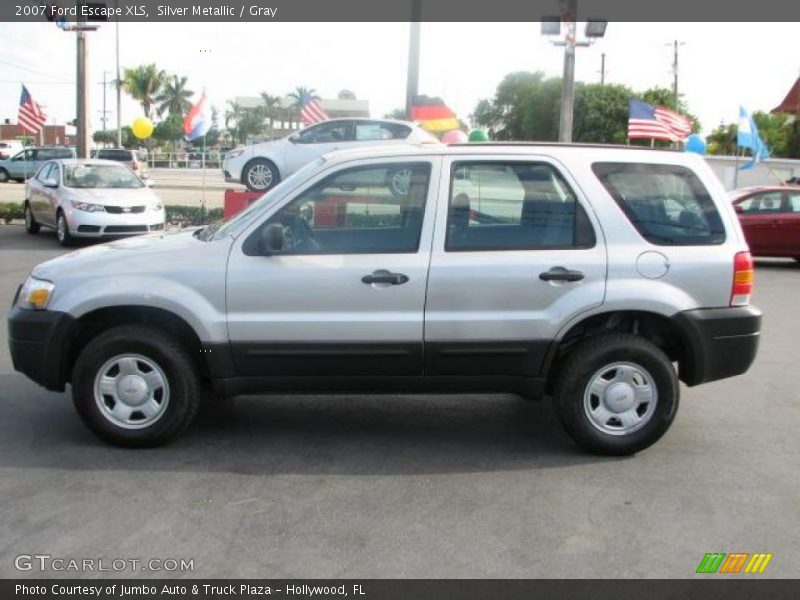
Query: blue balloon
point(695, 143)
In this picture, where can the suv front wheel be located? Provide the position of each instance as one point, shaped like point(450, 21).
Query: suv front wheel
point(135, 386)
point(616, 394)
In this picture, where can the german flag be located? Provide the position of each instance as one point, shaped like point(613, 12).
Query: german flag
point(433, 114)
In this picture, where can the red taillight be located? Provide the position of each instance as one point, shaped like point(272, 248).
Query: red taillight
point(742, 279)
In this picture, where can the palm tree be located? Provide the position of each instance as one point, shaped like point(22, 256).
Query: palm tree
point(302, 95)
point(270, 104)
point(143, 84)
point(174, 98)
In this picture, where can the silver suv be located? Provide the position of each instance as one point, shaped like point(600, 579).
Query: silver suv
point(599, 276)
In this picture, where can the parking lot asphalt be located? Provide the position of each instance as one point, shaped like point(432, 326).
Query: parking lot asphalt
point(410, 486)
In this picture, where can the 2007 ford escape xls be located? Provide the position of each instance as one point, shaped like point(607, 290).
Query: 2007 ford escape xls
point(596, 275)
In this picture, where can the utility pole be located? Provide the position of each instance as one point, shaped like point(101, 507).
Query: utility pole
point(104, 112)
point(603, 68)
point(412, 81)
point(82, 100)
point(568, 16)
point(676, 43)
point(119, 85)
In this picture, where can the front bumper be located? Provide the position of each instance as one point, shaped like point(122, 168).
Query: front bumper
point(99, 224)
point(720, 342)
point(39, 340)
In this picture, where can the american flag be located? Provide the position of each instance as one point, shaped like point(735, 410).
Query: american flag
point(310, 110)
point(31, 116)
point(656, 122)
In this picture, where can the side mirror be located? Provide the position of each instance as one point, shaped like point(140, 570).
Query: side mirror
point(272, 239)
point(738, 208)
point(294, 138)
point(50, 182)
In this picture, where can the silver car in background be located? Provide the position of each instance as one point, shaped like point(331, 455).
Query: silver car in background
point(90, 198)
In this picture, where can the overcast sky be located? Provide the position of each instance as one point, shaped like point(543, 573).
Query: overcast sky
point(722, 65)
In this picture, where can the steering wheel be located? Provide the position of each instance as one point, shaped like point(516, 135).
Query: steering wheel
point(302, 235)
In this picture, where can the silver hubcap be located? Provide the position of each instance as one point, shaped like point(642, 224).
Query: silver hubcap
point(620, 398)
point(260, 176)
point(28, 217)
point(131, 391)
point(401, 180)
point(61, 228)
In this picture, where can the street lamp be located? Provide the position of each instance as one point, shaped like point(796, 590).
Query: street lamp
point(551, 26)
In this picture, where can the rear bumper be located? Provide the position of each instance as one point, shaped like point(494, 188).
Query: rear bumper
point(38, 341)
point(721, 342)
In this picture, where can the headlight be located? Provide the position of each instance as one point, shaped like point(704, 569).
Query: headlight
point(35, 293)
point(157, 206)
point(234, 154)
point(87, 207)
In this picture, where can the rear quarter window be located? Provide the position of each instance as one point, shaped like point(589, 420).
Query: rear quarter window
point(119, 155)
point(667, 204)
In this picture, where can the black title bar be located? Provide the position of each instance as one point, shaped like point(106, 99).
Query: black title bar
point(396, 10)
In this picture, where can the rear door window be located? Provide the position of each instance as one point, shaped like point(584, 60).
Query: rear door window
point(372, 130)
point(497, 206)
point(667, 204)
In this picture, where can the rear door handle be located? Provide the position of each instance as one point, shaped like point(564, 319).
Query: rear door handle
point(384, 276)
point(561, 274)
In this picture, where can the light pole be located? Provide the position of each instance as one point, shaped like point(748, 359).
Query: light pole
point(412, 81)
point(552, 26)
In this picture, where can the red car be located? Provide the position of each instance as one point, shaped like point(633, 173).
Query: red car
point(770, 217)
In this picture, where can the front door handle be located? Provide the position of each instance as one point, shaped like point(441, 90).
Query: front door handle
point(384, 276)
point(561, 274)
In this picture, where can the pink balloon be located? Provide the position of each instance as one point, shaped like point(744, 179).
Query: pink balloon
point(455, 136)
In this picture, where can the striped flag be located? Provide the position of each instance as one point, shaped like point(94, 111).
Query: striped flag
point(656, 123)
point(433, 114)
point(311, 110)
point(31, 116)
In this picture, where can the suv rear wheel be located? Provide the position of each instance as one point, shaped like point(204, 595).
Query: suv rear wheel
point(616, 394)
point(135, 386)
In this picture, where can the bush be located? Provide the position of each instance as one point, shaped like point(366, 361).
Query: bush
point(191, 215)
point(10, 211)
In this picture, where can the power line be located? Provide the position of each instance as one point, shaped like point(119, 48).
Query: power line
point(22, 68)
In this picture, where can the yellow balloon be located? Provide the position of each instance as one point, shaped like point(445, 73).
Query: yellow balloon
point(142, 127)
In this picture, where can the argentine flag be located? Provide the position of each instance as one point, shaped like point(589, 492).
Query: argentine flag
point(748, 137)
point(197, 121)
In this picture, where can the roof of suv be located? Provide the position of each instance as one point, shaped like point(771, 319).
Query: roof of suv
point(594, 151)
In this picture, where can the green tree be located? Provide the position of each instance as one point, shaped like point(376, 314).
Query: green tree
point(170, 130)
point(143, 84)
point(173, 97)
point(397, 113)
point(722, 140)
point(601, 113)
point(272, 105)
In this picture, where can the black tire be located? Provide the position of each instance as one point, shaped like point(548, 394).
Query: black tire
point(168, 354)
point(4, 177)
point(31, 226)
point(593, 356)
point(260, 175)
point(62, 230)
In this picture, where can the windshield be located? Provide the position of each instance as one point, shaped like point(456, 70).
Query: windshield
point(234, 225)
point(100, 176)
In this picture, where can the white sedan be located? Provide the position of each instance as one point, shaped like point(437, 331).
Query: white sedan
point(261, 166)
point(90, 198)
